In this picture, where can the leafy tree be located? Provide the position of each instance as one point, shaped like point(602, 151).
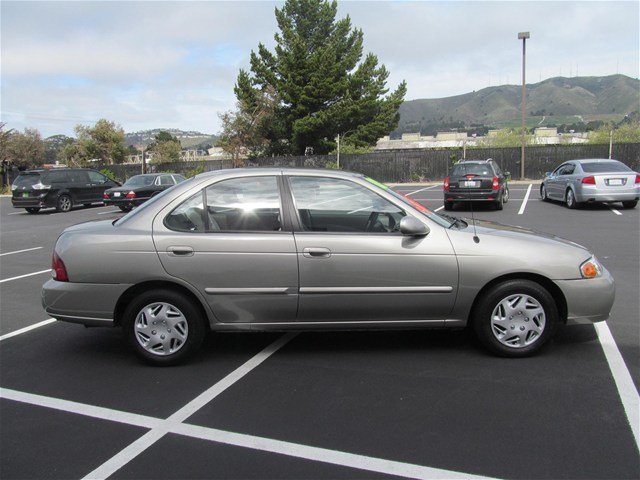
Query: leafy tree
point(323, 85)
point(104, 141)
point(624, 132)
point(242, 129)
point(24, 149)
point(74, 154)
point(53, 144)
point(165, 148)
point(508, 137)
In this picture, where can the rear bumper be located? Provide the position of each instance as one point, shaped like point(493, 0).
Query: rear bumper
point(40, 201)
point(472, 196)
point(594, 194)
point(86, 303)
point(588, 300)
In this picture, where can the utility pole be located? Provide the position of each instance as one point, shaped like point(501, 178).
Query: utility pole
point(523, 36)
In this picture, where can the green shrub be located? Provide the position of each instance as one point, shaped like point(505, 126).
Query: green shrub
point(196, 171)
point(332, 165)
point(108, 173)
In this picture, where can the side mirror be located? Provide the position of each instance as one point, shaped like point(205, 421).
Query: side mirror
point(547, 174)
point(507, 174)
point(413, 227)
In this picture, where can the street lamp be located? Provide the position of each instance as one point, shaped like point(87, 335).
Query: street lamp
point(523, 36)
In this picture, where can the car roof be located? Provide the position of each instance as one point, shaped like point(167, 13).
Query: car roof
point(474, 161)
point(596, 160)
point(279, 171)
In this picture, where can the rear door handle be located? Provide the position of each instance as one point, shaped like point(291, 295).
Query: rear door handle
point(316, 252)
point(180, 251)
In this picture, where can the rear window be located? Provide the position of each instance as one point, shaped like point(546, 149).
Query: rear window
point(26, 179)
point(601, 167)
point(140, 181)
point(462, 169)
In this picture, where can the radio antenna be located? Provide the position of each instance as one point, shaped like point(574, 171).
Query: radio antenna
point(476, 239)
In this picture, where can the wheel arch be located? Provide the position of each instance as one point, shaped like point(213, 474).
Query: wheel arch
point(139, 288)
point(541, 280)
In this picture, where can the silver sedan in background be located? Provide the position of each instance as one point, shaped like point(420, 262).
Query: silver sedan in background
point(591, 181)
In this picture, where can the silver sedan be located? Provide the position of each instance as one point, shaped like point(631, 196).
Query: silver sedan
point(592, 181)
point(287, 249)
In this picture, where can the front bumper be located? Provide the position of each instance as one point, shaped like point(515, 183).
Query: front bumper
point(590, 299)
point(86, 303)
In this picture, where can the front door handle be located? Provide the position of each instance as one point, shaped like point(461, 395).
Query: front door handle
point(316, 252)
point(180, 251)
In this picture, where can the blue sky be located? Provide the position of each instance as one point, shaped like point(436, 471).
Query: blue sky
point(154, 64)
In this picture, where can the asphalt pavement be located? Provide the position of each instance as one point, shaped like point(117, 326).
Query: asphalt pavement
point(76, 403)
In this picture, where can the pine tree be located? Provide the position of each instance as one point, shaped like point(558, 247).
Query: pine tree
point(323, 86)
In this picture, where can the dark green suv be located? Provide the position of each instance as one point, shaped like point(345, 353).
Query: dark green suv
point(59, 188)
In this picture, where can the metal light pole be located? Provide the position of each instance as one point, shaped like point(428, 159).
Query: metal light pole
point(523, 36)
point(338, 156)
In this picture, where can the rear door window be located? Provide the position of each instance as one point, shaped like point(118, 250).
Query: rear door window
point(97, 178)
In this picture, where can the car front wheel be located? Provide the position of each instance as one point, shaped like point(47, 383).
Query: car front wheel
point(163, 327)
point(124, 208)
point(543, 193)
point(515, 318)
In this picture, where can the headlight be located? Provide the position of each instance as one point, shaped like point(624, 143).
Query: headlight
point(41, 186)
point(591, 268)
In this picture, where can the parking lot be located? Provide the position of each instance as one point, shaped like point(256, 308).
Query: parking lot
point(76, 403)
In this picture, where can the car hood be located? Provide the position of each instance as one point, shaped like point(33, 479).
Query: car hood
point(510, 249)
point(498, 229)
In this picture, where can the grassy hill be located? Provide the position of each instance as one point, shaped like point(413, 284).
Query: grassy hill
point(188, 139)
point(554, 101)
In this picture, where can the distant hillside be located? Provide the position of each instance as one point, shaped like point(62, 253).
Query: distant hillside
point(556, 100)
point(188, 139)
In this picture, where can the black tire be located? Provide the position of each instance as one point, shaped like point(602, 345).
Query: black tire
point(448, 205)
point(543, 193)
point(125, 208)
point(630, 204)
point(570, 200)
point(195, 326)
point(498, 205)
point(505, 195)
point(483, 314)
point(32, 209)
point(64, 203)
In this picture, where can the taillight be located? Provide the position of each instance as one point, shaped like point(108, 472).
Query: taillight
point(131, 194)
point(637, 178)
point(496, 184)
point(590, 180)
point(446, 184)
point(105, 195)
point(416, 205)
point(58, 270)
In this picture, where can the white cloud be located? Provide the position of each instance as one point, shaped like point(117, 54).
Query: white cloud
point(174, 64)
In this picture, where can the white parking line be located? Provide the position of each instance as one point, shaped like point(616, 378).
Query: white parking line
point(26, 275)
point(160, 427)
point(27, 329)
point(130, 452)
point(613, 210)
point(20, 251)
point(439, 208)
point(422, 189)
point(16, 213)
point(110, 211)
point(622, 377)
point(526, 198)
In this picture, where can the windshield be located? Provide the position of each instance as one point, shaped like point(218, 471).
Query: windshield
point(444, 222)
point(148, 203)
point(27, 179)
point(601, 167)
point(462, 169)
point(140, 181)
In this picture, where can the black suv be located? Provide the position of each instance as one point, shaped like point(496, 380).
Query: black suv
point(476, 181)
point(61, 188)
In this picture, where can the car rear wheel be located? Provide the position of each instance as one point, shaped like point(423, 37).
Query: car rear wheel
point(630, 204)
point(543, 193)
point(570, 199)
point(448, 205)
point(498, 204)
point(64, 203)
point(32, 209)
point(505, 195)
point(124, 208)
point(163, 327)
point(515, 318)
